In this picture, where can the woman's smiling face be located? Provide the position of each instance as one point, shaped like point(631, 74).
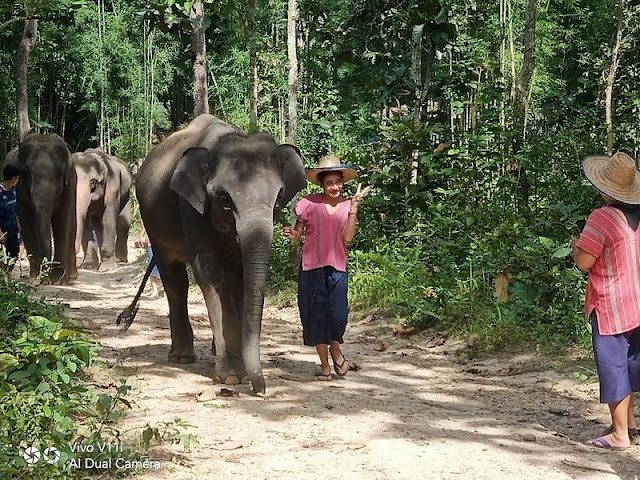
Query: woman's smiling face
point(333, 184)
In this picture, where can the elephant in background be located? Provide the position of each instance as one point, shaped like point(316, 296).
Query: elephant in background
point(103, 210)
point(46, 203)
point(209, 196)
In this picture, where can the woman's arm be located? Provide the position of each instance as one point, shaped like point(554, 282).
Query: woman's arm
point(583, 260)
point(352, 220)
point(294, 233)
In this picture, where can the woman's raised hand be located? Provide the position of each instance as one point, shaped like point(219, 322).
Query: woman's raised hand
point(358, 197)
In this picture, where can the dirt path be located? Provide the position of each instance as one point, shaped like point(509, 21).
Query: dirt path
point(411, 412)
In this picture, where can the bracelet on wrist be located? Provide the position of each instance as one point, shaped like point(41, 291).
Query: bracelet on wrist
point(353, 213)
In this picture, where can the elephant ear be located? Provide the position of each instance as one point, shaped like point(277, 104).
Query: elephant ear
point(189, 178)
point(293, 175)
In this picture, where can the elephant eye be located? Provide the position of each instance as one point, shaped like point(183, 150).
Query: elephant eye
point(225, 201)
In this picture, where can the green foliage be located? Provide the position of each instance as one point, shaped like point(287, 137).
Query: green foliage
point(45, 398)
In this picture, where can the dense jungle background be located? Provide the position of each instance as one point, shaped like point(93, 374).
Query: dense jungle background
point(468, 118)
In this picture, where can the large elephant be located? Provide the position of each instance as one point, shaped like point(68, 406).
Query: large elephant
point(208, 196)
point(103, 208)
point(46, 203)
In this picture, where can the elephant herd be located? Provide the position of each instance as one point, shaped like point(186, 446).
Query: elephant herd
point(80, 199)
point(209, 196)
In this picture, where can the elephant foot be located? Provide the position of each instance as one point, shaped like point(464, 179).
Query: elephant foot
point(89, 266)
point(108, 264)
point(230, 372)
point(182, 357)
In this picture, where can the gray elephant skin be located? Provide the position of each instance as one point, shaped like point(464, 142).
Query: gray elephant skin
point(46, 204)
point(209, 195)
point(103, 208)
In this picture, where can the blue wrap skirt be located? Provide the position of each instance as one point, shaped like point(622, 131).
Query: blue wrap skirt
point(323, 304)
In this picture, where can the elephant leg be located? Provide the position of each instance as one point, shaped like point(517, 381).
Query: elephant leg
point(90, 246)
point(122, 234)
point(29, 233)
point(229, 366)
point(176, 286)
point(61, 271)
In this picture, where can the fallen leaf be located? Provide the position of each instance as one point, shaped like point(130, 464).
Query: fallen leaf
point(402, 330)
point(368, 319)
point(232, 445)
point(379, 346)
point(225, 392)
point(356, 446)
point(91, 325)
point(353, 366)
point(436, 341)
point(201, 319)
point(206, 395)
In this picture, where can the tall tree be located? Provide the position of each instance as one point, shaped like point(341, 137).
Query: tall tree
point(22, 85)
point(253, 73)
point(199, 49)
point(611, 77)
point(521, 103)
point(292, 37)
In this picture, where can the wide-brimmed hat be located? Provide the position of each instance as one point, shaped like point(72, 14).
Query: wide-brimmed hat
point(331, 163)
point(615, 176)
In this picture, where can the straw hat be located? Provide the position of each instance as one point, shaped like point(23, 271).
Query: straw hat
point(615, 176)
point(331, 163)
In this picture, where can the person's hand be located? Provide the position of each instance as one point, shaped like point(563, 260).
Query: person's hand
point(574, 246)
point(291, 233)
point(358, 197)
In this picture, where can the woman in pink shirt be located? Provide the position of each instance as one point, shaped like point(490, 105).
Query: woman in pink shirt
point(609, 248)
point(328, 222)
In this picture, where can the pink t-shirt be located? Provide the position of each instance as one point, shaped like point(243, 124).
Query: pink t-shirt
point(613, 290)
point(324, 233)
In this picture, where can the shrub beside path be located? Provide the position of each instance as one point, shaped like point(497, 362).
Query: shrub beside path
point(410, 412)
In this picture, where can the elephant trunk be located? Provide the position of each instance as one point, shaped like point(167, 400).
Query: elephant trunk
point(83, 199)
point(255, 235)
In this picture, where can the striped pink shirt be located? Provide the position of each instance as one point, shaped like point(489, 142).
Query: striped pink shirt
point(613, 290)
point(324, 233)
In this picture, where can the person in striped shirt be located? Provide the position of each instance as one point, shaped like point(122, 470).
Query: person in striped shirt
point(609, 249)
point(328, 222)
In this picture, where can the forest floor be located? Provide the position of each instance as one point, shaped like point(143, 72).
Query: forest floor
point(412, 411)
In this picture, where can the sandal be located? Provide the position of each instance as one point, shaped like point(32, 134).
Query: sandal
point(341, 369)
point(322, 376)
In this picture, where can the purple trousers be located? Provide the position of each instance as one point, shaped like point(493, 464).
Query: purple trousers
point(618, 362)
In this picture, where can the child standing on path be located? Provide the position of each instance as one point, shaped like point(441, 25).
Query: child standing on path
point(609, 248)
point(328, 221)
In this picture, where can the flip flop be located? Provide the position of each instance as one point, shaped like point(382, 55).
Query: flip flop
point(602, 442)
point(321, 376)
point(339, 366)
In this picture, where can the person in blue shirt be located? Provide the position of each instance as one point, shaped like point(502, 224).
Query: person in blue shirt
point(8, 210)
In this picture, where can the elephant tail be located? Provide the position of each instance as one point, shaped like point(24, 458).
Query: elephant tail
point(128, 314)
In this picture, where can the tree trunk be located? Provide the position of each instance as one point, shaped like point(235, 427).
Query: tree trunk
point(253, 74)
point(611, 77)
point(421, 73)
point(292, 18)
point(521, 104)
point(199, 49)
point(22, 86)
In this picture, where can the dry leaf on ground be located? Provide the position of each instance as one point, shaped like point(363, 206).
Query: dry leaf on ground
point(206, 395)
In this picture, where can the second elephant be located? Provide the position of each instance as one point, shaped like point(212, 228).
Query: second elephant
point(103, 208)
